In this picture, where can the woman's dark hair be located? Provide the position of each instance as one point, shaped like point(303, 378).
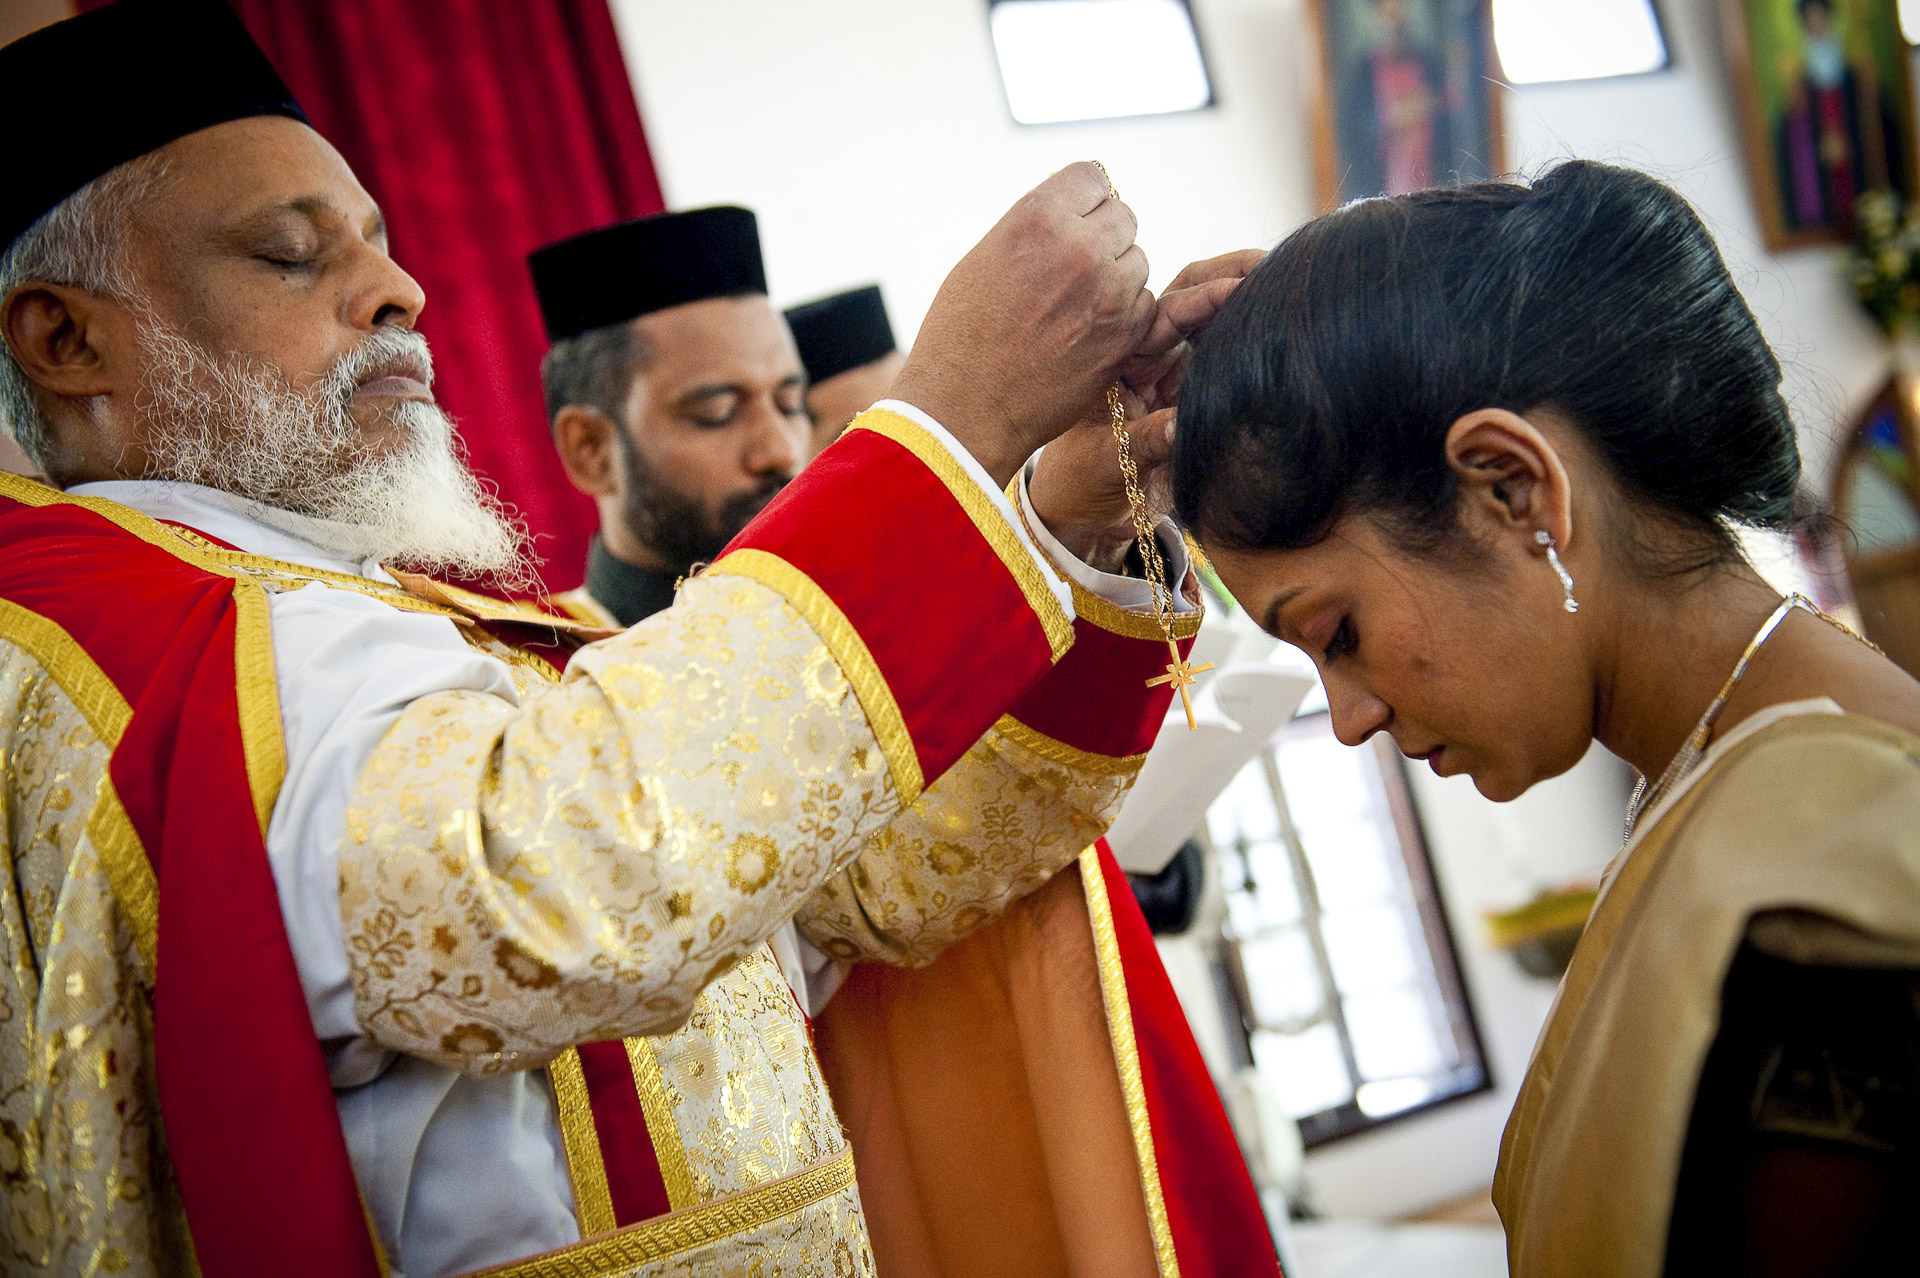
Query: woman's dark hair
point(1328, 382)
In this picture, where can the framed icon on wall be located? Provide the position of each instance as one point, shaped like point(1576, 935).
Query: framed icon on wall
point(1409, 97)
point(1826, 108)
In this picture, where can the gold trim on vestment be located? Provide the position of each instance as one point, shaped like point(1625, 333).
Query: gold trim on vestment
point(487, 608)
point(665, 1236)
point(1113, 989)
point(1056, 751)
point(582, 606)
point(1128, 623)
point(669, 1151)
point(107, 713)
point(262, 739)
point(986, 516)
point(586, 1165)
point(850, 653)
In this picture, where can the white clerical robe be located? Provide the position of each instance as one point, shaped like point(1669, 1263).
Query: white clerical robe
point(458, 1171)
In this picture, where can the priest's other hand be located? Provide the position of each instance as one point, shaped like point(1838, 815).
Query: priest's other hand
point(1033, 324)
point(1185, 309)
point(1076, 487)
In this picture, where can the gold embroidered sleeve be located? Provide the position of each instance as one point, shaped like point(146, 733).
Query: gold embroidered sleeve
point(515, 880)
point(997, 826)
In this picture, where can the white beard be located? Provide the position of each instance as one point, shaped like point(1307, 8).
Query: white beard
point(236, 424)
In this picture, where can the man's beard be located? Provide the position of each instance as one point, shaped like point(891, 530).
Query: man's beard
point(678, 527)
point(236, 424)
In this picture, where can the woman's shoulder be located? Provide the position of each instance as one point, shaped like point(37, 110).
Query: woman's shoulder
point(1808, 780)
point(1793, 734)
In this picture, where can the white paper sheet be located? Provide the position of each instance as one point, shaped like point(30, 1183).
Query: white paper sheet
point(1238, 711)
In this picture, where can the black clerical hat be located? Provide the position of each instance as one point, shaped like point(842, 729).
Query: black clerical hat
point(622, 272)
point(120, 82)
point(841, 332)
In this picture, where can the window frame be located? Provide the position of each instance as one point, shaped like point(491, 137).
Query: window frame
point(1436, 931)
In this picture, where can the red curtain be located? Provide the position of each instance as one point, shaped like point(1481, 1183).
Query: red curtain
point(485, 130)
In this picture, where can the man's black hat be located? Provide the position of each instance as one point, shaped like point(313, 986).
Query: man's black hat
point(622, 272)
point(165, 68)
point(841, 332)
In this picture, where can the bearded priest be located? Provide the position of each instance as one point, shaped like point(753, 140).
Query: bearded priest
point(466, 966)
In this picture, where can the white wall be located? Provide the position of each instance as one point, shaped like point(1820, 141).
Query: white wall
point(872, 138)
point(874, 141)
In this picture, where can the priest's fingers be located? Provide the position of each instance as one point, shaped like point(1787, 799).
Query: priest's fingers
point(1152, 438)
point(1113, 227)
point(1081, 187)
point(1143, 308)
point(1184, 312)
point(1235, 265)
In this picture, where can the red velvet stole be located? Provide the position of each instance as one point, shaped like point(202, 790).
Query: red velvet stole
point(1219, 1227)
point(251, 1128)
point(956, 646)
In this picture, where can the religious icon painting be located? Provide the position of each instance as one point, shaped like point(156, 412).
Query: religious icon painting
point(1827, 110)
point(1409, 98)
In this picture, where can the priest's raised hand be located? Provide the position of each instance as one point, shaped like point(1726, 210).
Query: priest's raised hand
point(1076, 486)
point(1033, 324)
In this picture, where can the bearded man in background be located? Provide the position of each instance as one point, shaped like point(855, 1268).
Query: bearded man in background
point(464, 964)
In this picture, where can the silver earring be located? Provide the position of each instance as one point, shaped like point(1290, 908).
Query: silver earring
point(1544, 538)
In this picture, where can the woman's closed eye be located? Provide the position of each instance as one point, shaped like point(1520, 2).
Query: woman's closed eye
point(1343, 641)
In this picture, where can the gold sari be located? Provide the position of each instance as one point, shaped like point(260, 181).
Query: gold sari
point(1800, 835)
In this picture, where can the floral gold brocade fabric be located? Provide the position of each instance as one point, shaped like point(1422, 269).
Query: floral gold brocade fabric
point(80, 1155)
point(608, 859)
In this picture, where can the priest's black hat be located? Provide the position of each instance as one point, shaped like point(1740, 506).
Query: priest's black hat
point(622, 272)
point(841, 332)
point(162, 68)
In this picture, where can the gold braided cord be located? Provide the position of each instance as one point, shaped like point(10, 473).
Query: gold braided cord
point(1179, 673)
point(1142, 522)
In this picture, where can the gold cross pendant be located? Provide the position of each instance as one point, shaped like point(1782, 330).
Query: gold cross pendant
point(1180, 675)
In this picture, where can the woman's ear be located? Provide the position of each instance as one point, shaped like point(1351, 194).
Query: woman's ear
point(1512, 480)
point(584, 438)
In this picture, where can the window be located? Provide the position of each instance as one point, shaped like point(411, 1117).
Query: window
point(1082, 59)
point(1541, 40)
point(1337, 952)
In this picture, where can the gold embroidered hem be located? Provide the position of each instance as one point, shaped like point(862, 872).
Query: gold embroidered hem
point(807, 1222)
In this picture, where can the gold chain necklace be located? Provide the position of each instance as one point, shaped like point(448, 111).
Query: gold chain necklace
point(1179, 673)
point(1695, 747)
